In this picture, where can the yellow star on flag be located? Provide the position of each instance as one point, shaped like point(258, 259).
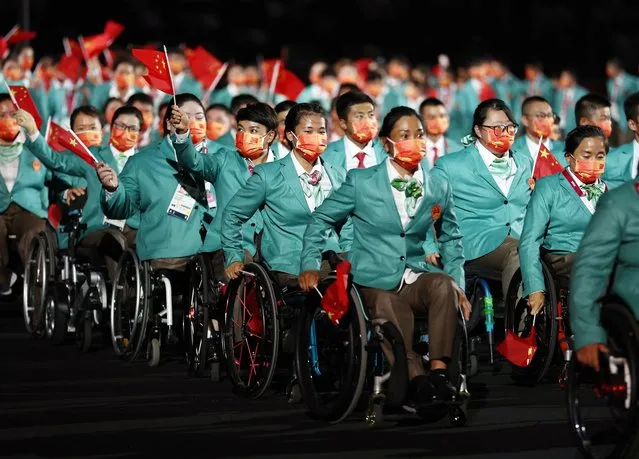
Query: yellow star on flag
point(73, 142)
point(544, 154)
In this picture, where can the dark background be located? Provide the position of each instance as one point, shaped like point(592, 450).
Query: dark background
point(581, 35)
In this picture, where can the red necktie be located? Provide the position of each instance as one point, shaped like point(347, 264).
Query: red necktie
point(250, 168)
point(486, 92)
point(360, 157)
point(436, 151)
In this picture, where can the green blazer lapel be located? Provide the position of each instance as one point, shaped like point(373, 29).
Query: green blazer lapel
point(3, 186)
point(292, 179)
point(241, 166)
point(383, 185)
point(333, 175)
point(340, 153)
point(26, 159)
point(380, 153)
point(482, 171)
point(564, 183)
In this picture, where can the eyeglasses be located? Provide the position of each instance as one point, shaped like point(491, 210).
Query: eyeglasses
point(124, 127)
point(542, 116)
point(510, 129)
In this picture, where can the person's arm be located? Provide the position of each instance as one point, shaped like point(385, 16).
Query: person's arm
point(532, 237)
point(208, 166)
point(591, 272)
point(450, 240)
point(238, 211)
point(65, 162)
point(123, 201)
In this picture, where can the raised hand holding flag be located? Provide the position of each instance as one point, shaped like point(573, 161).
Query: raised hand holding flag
point(61, 139)
point(159, 72)
point(22, 100)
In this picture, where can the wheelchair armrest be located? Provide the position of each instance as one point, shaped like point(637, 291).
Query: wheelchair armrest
point(332, 258)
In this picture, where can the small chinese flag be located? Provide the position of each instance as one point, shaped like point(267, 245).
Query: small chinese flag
point(546, 163)
point(4, 48)
point(61, 139)
point(94, 45)
point(112, 30)
point(204, 65)
point(70, 66)
point(362, 66)
point(288, 84)
point(16, 35)
point(55, 214)
point(157, 65)
point(335, 300)
point(22, 99)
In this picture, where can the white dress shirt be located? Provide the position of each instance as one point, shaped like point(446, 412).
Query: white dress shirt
point(487, 157)
point(325, 182)
point(115, 92)
point(351, 150)
point(121, 157)
point(614, 94)
point(533, 146)
point(282, 150)
point(635, 159)
point(440, 145)
point(10, 170)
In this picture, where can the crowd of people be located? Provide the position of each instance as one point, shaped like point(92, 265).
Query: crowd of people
point(413, 173)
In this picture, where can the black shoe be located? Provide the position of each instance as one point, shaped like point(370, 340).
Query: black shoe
point(422, 391)
point(444, 390)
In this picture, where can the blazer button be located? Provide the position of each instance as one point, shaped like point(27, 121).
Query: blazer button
point(403, 258)
point(507, 224)
point(506, 201)
point(402, 235)
point(252, 224)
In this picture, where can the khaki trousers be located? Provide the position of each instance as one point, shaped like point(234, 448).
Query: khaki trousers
point(25, 226)
point(432, 292)
point(504, 259)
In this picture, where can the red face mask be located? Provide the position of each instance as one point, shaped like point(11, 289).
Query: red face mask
point(543, 127)
point(606, 127)
point(365, 130)
point(311, 146)
point(123, 139)
point(124, 81)
point(9, 129)
point(589, 170)
point(280, 134)
point(198, 130)
point(147, 120)
point(250, 146)
point(27, 63)
point(438, 126)
point(91, 138)
point(409, 153)
point(13, 74)
point(214, 130)
point(500, 144)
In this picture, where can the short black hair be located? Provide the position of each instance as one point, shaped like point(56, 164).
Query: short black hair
point(222, 107)
point(296, 113)
point(374, 75)
point(393, 116)
point(328, 72)
point(109, 100)
point(180, 100)
point(430, 102)
point(481, 112)
point(140, 97)
point(348, 99)
point(127, 110)
point(260, 113)
point(578, 134)
point(164, 105)
point(4, 97)
point(589, 104)
point(631, 106)
point(530, 100)
point(88, 110)
point(348, 87)
point(242, 99)
point(284, 106)
point(124, 59)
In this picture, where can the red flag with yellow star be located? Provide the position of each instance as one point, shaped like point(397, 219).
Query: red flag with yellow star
point(204, 65)
point(546, 163)
point(157, 64)
point(61, 139)
point(22, 99)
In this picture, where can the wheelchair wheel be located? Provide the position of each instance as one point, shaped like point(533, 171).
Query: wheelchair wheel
point(84, 335)
point(252, 332)
point(56, 318)
point(602, 407)
point(196, 320)
point(126, 313)
point(331, 360)
point(34, 291)
point(520, 321)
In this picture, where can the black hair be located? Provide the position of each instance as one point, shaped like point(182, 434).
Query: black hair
point(615, 61)
point(589, 104)
point(127, 110)
point(348, 99)
point(535, 63)
point(296, 113)
point(164, 105)
point(109, 100)
point(222, 107)
point(4, 97)
point(481, 112)
point(631, 106)
point(88, 110)
point(242, 99)
point(124, 59)
point(328, 72)
point(430, 102)
point(284, 106)
point(347, 87)
point(260, 113)
point(530, 100)
point(180, 100)
point(374, 75)
point(393, 116)
point(402, 60)
point(140, 97)
point(578, 134)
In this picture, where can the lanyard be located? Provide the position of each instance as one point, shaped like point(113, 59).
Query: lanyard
point(579, 191)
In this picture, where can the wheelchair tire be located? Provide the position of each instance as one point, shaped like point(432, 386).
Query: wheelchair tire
point(147, 304)
point(397, 386)
point(546, 328)
point(196, 323)
point(262, 361)
point(84, 335)
point(325, 372)
point(125, 307)
point(56, 318)
point(35, 283)
point(622, 438)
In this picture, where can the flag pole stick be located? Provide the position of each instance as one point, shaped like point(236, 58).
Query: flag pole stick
point(13, 98)
point(67, 46)
point(166, 54)
point(541, 139)
point(276, 73)
point(215, 82)
point(11, 32)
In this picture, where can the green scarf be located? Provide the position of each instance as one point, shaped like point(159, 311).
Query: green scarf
point(9, 153)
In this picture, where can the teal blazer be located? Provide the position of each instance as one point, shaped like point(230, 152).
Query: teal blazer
point(610, 246)
point(189, 85)
point(336, 152)
point(278, 151)
point(227, 141)
point(508, 89)
point(629, 85)
point(618, 164)
point(382, 248)
point(275, 189)
point(461, 116)
point(557, 148)
point(147, 185)
point(71, 164)
point(452, 145)
point(100, 94)
point(486, 217)
point(57, 104)
point(571, 122)
point(556, 219)
point(222, 96)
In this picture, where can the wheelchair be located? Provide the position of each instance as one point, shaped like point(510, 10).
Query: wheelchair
point(339, 365)
point(603, 407)
point(551, 326)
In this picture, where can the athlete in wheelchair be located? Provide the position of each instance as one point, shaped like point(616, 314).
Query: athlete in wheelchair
point(556, 217)
point(393, 207)
point(603, 372)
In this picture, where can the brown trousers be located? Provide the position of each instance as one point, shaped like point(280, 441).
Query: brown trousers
point(25, 226)
point(286, 278)
point(560, 264)
point(109, 243)
point(173, 264)
point(218, 263)
point(434, 292)
point(504, 258)
point(130, 234)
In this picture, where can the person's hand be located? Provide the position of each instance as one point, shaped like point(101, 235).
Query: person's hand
point(433, 259)
point(25, 120)
point(463, 301)
point(108, 177)
point(536, 302)
point(73, 193)
point(179, 120)
point(308, 280)
point(233, 270)
point(589, 355)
